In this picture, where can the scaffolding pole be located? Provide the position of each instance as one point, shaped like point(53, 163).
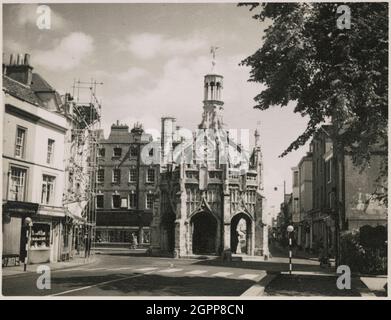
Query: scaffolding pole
point(84, 164)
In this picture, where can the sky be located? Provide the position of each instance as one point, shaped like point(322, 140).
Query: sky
point(151, 59)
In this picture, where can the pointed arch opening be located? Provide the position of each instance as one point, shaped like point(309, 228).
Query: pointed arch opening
point(241, 234)
point(204, 233)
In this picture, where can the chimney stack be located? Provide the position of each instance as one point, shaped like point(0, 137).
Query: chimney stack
point(19, 68)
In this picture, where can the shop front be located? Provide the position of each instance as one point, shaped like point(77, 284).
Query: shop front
point(74, 230)
point(45, 244)
point(121, 236)
point(13, 228)
point(39, 251)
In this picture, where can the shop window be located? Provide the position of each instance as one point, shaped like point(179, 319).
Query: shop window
point(17, 184)
point(40, 235)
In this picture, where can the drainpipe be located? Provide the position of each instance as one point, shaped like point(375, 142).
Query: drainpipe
point(8, 184)
point(139, 215)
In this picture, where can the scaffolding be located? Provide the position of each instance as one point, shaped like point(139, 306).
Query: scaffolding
point(82, 143)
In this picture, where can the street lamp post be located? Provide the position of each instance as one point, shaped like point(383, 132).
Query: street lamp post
point(28, 223)
point(290, 231)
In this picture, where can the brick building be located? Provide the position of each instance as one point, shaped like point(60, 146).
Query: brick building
point(126, 186)
point(340, 187)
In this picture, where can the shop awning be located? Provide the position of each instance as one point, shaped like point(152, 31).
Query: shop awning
point(19, 207)
point(50, 211)
point(74, 210)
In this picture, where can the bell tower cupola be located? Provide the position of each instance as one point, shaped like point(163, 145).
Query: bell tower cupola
point(213, 100)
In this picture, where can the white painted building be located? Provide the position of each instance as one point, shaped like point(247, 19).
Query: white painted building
point(33, 163)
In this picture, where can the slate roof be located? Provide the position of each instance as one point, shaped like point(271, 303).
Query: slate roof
point(39, 84)
point(19, 90)
point(30, 93)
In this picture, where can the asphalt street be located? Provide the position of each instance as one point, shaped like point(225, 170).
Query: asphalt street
point(125, 274)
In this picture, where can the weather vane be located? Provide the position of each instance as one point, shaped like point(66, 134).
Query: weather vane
point(213, 50)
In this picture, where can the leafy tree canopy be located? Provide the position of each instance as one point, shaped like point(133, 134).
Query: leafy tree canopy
point(330, 73)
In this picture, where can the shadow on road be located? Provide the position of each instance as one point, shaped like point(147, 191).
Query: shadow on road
point(307, 285)
point(155, 285)
point(268, 266)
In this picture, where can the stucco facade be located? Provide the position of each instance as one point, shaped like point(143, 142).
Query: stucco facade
point(33, 171)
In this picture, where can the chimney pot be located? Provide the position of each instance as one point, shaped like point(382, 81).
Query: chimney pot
point(27, 59)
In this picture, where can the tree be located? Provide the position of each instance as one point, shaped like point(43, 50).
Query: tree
point(330, 73)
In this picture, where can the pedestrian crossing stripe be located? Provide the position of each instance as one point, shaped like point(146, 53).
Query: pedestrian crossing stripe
point(71, 269)
point(249, 276)
point(94, 269)
point(146, 269)
point(170, 270)
point(222, 274)
point(122, 268)
point(196, 272)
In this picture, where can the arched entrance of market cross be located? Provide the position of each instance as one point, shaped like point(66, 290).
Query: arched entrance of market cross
point(204, 235)
point(241, 233)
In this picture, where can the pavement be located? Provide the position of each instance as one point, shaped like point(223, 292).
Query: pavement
point(32, 268)
point(133, 273)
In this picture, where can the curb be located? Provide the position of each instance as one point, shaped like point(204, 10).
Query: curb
point(362, 288)
point(22, 273)
point(258, 289)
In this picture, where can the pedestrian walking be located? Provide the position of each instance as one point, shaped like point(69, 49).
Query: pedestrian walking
point(134, 241)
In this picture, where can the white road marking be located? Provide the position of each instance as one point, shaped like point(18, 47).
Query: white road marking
point(145, 269)
point(249, 276)
point(73, 269)
point(258, 289)
point(170, 270)
point(94, 269)
point(196, 272)
point(98, 284)
point(122, 268)
point(222, 274)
